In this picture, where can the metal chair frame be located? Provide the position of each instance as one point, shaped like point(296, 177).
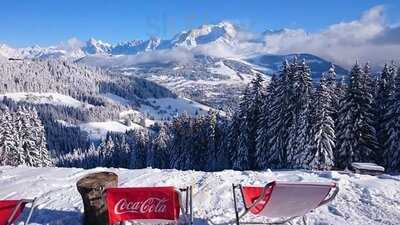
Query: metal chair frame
point(240, 215)
point(22, 201)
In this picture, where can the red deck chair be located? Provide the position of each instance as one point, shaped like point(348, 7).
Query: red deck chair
point(149, 204)
point(283, 201)
point(10, 210)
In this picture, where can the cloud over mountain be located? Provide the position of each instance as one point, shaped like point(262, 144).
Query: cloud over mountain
point(369, 38)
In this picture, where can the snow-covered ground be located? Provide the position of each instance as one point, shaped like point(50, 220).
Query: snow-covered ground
point(45, 98)
point(98, 130)
point(362, 200)
point(165, 108)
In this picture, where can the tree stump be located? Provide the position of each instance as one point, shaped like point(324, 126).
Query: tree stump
point(91, 189)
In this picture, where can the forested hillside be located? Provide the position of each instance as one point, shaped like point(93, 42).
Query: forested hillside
point(286, 122)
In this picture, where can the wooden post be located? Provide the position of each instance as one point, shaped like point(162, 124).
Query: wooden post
point(91, 187)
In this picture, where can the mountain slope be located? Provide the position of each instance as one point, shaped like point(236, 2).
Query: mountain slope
point(210, 64)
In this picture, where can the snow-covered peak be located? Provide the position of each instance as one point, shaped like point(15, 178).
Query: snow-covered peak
point(205, 34)
point(135, 46)
point(94, 46)
point(7, 52)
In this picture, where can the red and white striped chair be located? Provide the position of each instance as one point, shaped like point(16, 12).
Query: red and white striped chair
point(281, 202)
point(149, 204)
point(10, 210)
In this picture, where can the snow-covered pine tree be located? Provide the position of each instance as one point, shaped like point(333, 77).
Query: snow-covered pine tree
point(11, 152)
point(159, 155)
point(240, 155)
point(232, 137)
point(106, 149)
point(181, 137)
point(139, 151)
point(298, 143)
point(356, 137)
point(122, 151)
point(23, 124)
point(212, 144)
point(281, 118)
point(334, 89)
point(222, 153)
point(92, 157)
point(250, 109)
point(262, 146)
point(40, 140)
point(384, 92)
point(369, 106)
point(392, 125)
point(322, 136)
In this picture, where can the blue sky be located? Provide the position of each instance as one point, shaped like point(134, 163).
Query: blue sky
point(47, 22)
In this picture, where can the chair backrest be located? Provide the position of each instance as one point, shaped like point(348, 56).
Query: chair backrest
point(7, 208)
point(151, 204)
point(252, 194)
point(292, 199)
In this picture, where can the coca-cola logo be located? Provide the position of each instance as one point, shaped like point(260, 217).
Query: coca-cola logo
point(150, 205)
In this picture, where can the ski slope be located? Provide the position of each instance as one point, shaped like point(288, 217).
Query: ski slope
point(362, 200)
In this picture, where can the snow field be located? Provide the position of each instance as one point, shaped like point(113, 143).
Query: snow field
point(44, 98)
point(362, 199)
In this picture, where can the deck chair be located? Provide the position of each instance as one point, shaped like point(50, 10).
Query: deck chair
point(10, 210)
point(281, 202)
point(149, 204)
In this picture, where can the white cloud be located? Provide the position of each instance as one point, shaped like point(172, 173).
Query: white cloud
point(158, 56)
point(368, 39)
point(72, 44)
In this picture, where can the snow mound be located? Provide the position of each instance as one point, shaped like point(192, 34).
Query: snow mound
point(44, 98)
point(368, 166)
point(362, 199)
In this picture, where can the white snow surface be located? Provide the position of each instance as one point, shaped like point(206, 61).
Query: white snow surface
point(362, 200)
point(368, 166)
point(98, 130)
point(171, 107)
point(45, 98)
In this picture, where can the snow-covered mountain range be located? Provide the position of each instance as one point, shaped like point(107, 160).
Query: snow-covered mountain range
point(210, 64)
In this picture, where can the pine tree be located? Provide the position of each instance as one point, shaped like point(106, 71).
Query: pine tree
point(40, 140)
point(159, 155)
point(335, 90)
point(250, 113)
point(281, 118)
point(298, 149)
point(106, 150)
point(139, 151)
point(392, 126)
point(181, 142)
point(356, 135)
point(232, 138)
point(383, 96)
point(23, 123)
point(241, 158)
point(322, 138)
point(262, 154)
point(211, 139)
point(11, 152)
